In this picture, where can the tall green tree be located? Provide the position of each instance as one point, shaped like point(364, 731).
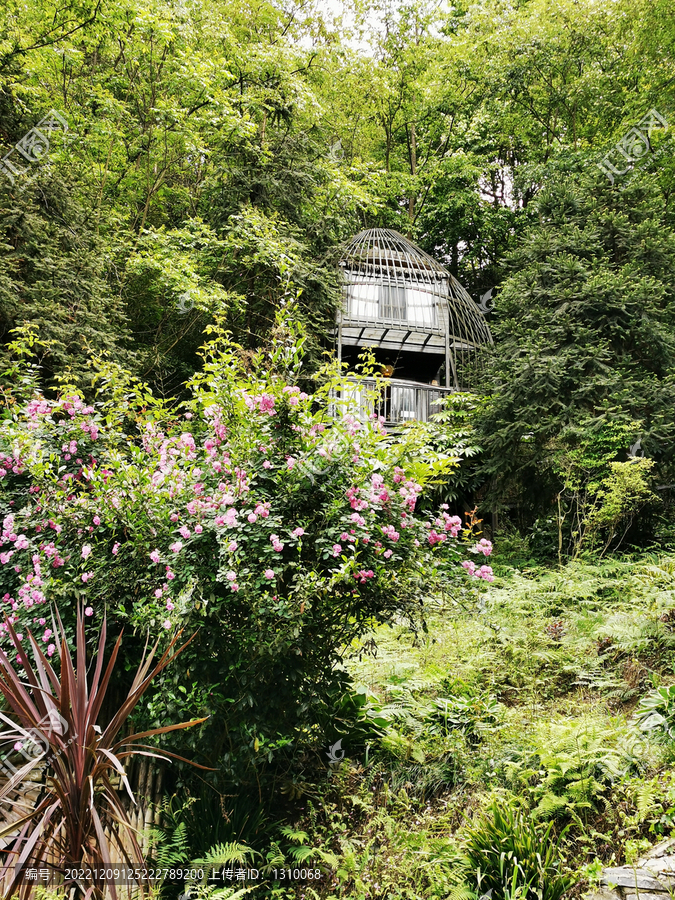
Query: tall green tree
point(585, 332)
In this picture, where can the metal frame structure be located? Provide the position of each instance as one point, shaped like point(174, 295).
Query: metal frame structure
point(397, 297)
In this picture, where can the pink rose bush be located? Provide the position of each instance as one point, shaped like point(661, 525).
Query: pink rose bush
point(252, 513)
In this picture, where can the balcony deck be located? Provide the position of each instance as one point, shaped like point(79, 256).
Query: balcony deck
point(399, 401)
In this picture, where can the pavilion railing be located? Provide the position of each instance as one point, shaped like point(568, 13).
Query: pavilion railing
point(396, 400)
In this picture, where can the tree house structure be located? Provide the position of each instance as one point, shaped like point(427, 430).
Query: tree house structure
point(424, 328)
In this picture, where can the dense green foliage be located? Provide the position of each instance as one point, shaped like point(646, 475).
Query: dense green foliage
point(168, 452)
point(216, 154)
point(587, 337)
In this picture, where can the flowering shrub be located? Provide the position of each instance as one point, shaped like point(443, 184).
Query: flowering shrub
point(251, 510)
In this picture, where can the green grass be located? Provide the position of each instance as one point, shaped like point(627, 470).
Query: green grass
point(529, 696)
point(512, 721)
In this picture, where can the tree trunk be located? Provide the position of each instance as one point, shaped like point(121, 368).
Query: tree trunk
point(413, 172)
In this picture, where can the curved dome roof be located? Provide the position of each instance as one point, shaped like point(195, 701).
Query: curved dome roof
point(384, 253)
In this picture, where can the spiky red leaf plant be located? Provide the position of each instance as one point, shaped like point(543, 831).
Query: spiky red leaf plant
point(78, 816)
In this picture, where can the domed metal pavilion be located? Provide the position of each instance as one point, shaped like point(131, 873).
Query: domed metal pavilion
point(420, 321)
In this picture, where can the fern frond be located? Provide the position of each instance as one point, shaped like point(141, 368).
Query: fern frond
point(222, 854)
point(226, 893)
point(299, 837)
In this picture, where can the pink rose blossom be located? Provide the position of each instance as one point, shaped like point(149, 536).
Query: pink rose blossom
point(116, 547)
point(364, 574)
point(154, 556)
point(50, 650)
point(269, 573)
point(86, 551)
point(176, 547)
point(228, 519)
point(89, 611)
point(483, 546)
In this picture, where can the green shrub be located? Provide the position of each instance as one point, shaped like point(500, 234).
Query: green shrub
point(656, 713)
point(473, 715)
point(513, 857)
point(251, 513)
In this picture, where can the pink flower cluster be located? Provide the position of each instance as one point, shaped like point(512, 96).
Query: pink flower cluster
point(296, 395)
point(264, 403)
point(449, 524)
point(352, 425)
point(229, 519)
point(378, 492)
point(390, 532)
point(261, 510)
point(409, 493)
point(10, 464)
point(232, 579)
point(355, 501)
point(363, 575)
point(483, 546)
point(485, 572)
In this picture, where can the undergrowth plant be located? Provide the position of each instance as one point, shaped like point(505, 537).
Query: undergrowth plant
point(656, 713)
point(79, 817)
point(514, 858)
